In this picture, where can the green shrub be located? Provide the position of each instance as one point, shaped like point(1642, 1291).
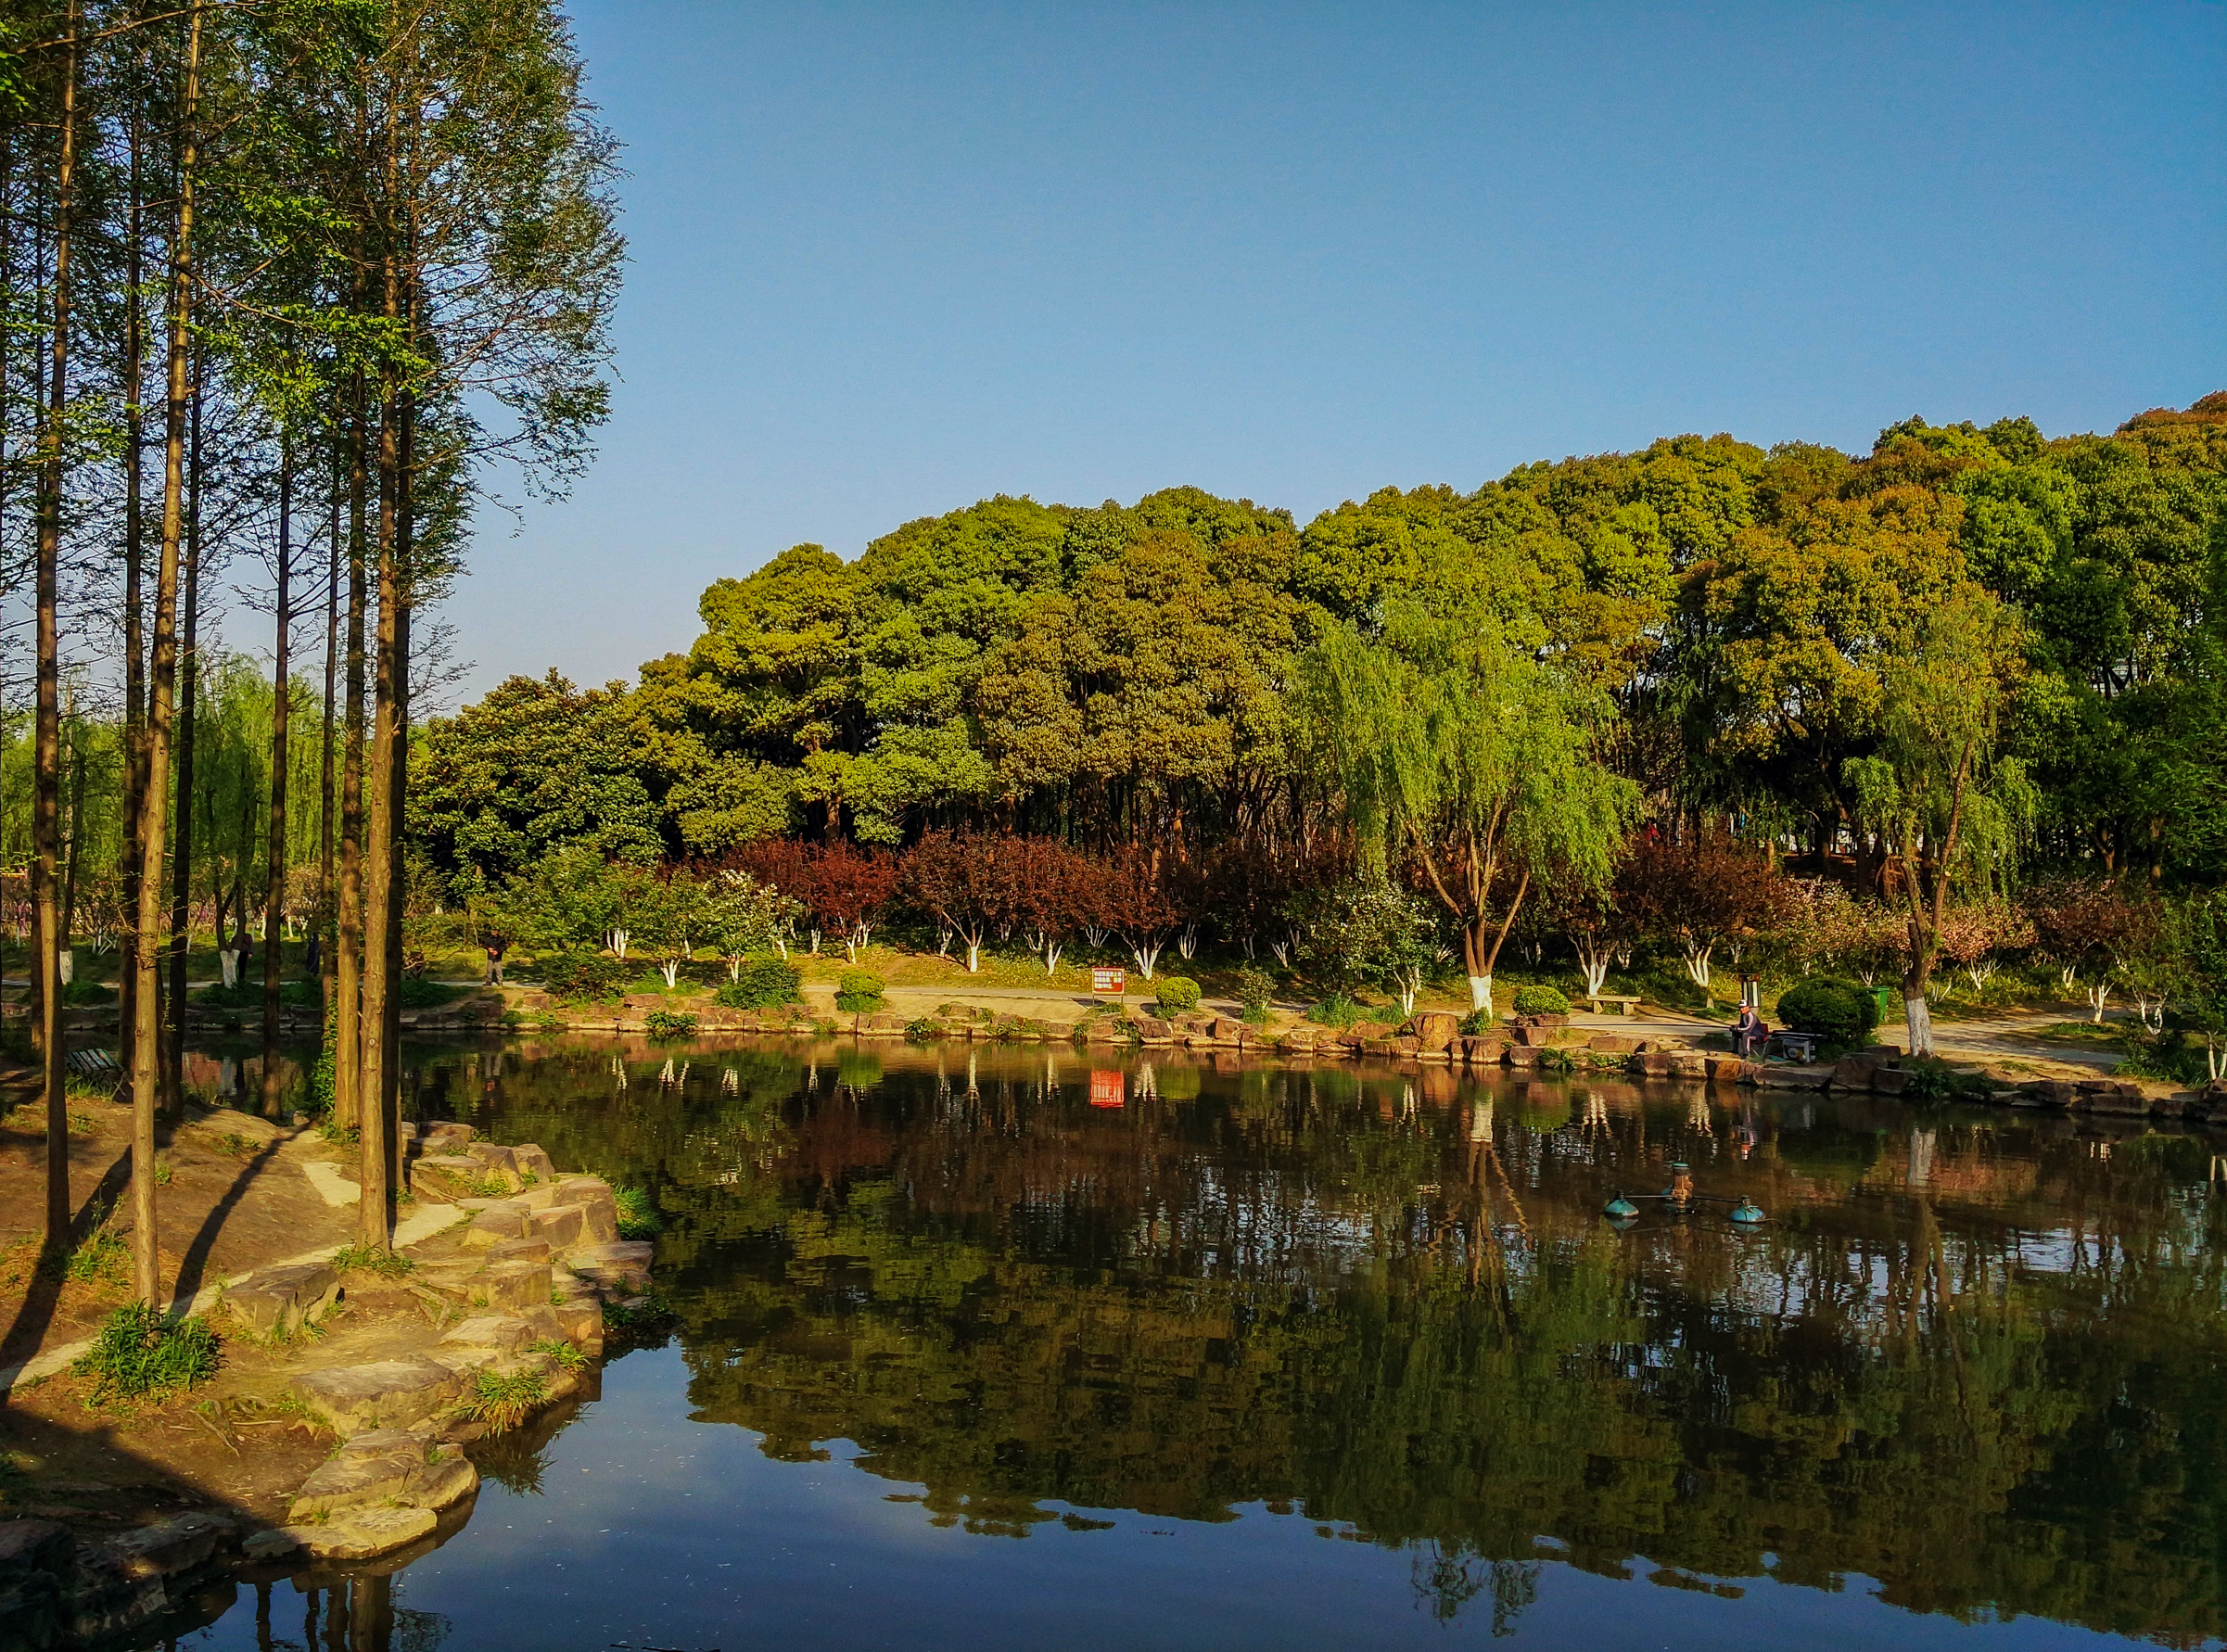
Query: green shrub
point(369, 1259)
point(764, 982)
point(638, 1217)
point(558, 1351)
point(1477, 1021)
point(1337, 1010)
point(1540, 1000)
point(79, 993)
point(1178, 994)
point(1254, 989)
point(586, 977)
point(1840, 1011)
point(858, 992)
point(143, 1354)
point(666, 1024)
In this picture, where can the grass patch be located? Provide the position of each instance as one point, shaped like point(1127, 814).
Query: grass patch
point(2090, 1035)
point(100, 1258)
point(648, 1312)
point(369, 1259)
point(142, 1354)
point(638, 1218)
point(559, 1353)
point(1337, 1010)
point(503, 1400)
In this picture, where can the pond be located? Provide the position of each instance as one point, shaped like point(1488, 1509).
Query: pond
point(992, 1347)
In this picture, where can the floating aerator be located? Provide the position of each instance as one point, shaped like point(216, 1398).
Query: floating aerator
point(1620, 1208)
point(1747, 1213)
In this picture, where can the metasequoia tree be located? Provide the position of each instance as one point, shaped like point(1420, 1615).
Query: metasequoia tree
point(1462, 756)
point(1946, 805)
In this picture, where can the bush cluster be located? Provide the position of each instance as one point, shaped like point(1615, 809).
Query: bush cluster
point(1540, 1000)
point(1255, 989)
point(764, 982)
point(585, 977)
point(1841, 1012)
point(1178, 994)
point(858, 992)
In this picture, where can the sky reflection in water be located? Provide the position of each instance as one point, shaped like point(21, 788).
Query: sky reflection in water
point(1269, 1358)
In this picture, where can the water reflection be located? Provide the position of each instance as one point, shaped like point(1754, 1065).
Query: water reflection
point(1973, 1356)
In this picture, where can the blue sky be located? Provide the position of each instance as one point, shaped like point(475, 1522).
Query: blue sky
point(887, 260)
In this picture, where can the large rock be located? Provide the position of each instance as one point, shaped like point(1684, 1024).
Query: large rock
point(503, 1220)
point(373, 1466)
point(498, 1164)
point(624, 1262)
point(533, 1248)
point(513, 1284)
point(1653, 1063)
point(1484, 1050)
point(1779, 1077)
point(561, 1226)
point(1613, 1044)
point(531, 1161)
point(276, 1302)
point(364, 1533)
point(580, 1322)
point(1434, 1029)
point(1730, 1070)
point(385, 1393)
point(1891, 1081)
point(1151, 1029)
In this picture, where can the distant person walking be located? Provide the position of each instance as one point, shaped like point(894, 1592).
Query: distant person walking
point(496, 946)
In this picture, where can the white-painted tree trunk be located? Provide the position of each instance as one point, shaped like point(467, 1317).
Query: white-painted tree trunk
point(735, 966)
point(2098, 995)
point(1481, 993)
point(670, 970)
point(1591, 963)
point(64, 960)
point(1187, 942)
point(1917, 1017)
point(1052, 949)
point(1697, 963)
point(618, 942)
point(973, 957)
point(1408, 983)
point(1146, 956)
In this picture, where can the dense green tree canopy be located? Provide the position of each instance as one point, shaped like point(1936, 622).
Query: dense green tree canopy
point(1126, 674)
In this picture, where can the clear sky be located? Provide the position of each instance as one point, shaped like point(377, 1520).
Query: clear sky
point(887, 260)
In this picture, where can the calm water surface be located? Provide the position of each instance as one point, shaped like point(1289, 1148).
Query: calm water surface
point(997, 1352)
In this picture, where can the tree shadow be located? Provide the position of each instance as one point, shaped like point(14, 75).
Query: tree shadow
point(195, 1266)
point(51, 1272)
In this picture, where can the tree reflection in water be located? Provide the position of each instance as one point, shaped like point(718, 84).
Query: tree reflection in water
point(1971, 1356)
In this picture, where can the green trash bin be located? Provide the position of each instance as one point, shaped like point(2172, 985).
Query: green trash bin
point(1884, 997)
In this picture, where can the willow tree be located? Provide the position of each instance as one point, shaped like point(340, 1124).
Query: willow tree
point(1467, 764)
point(1947, 805)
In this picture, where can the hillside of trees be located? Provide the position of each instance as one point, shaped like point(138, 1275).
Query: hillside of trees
point(1970, 680)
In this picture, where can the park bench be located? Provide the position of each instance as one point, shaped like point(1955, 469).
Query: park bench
point(1624, 1006)
point(1794, 1047)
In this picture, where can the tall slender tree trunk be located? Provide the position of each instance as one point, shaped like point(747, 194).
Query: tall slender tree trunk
point(377, 1225)
point(325, 776)
point(174, 1089)
point(45, 800)
point(73, 839)
point(134, 640)
point(274, 869)
point(348, 1046)
point(161, 672)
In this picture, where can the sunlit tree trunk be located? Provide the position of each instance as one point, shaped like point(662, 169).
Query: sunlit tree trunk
point(173, 1077)
point(46, 790)
point(134, 640)
point(161, 672)
point(347, 960)
point(275, 870)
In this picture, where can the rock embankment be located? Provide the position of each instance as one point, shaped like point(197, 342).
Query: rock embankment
point(511, 1301)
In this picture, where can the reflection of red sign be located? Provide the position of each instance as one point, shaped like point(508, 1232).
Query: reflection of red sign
point(1109, 980)
point(1107, 1089)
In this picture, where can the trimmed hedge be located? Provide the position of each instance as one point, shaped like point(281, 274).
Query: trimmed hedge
point(1540, 1000)
point(1177, 994)
point(1841, 1012)
point(858, 992)
point(764, 982)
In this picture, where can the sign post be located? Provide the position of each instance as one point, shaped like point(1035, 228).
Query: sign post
point(1113, 982)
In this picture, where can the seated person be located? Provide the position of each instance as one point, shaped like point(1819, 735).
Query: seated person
point(1749, 1034)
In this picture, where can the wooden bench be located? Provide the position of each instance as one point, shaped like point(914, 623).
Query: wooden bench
point(1624, 1006)
point(1794, 1047)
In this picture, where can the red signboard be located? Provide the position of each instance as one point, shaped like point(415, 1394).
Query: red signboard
point(1113, 980)
point(1108, 1089)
